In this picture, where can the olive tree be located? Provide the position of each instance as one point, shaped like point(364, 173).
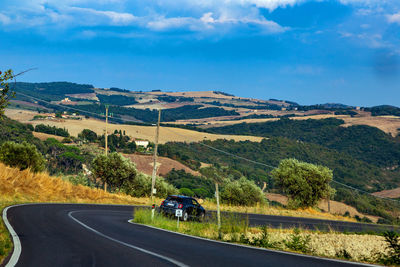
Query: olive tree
point(22, 156)
point(114, 169)
point(121, 174)
point(305, 184)
point(242, 192)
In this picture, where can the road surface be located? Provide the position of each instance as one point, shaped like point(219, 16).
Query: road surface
point(100, 235)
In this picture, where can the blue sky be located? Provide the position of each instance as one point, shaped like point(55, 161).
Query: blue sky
point(319, 51)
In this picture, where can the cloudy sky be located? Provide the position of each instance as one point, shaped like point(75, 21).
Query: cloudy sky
point(309, 51)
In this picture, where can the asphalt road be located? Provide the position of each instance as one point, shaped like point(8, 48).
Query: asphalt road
point(99, 235)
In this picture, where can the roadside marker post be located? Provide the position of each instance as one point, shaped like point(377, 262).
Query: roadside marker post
point(178, 213)
point(152, 211)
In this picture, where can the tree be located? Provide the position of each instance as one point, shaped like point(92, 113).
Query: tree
point(304, 183)
point(88, 135)
point(242, 192)
point(114, 169)
point(23, 156)
point(5, 93)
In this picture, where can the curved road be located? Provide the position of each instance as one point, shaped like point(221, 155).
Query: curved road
point(99, 235)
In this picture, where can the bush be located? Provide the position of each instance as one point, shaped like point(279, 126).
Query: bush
point(140, 186)
point(114, 169)
point(88, 135)
point(23, 156)
point(242, 192)
point(304, 183)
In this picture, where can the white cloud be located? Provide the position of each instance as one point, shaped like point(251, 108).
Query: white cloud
point(4, 19)
point(394, 18)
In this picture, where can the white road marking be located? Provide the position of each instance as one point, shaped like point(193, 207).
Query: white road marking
point(17, 243)
point(177, 263)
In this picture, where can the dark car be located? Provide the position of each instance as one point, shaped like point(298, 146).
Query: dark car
point(191, 209)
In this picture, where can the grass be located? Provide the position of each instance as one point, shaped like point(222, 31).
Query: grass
point(354, 247)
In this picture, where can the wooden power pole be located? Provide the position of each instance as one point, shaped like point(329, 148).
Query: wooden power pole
point(153, 176)
point(106, 142)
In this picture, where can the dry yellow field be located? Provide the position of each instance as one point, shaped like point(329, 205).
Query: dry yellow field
point(393, 193)
point(143, 132)
point(44, 136)
point(336, 207)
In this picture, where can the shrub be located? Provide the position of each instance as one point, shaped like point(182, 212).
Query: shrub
point(88, 135)
point(242, 192)
point(298, 242)
point(304, 183)
point(23, 156)
point(393, 243)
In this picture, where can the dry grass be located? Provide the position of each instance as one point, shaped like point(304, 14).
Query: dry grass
point(393, 193)
point(265, 209)
point(338, 208)
point(143, 132)
point(25, 186)
point(44, 136)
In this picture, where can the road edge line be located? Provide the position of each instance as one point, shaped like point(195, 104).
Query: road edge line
point(15, 239)
point(257, 248)
point(173, 261)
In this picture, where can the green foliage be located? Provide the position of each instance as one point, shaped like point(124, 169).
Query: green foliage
point(242, 192)
point(305, 184)
point(186, 192)
point(119, 100)
point(114, 169)
point(384, 110)
point(51, 130)
point(120, 174)
point(88, 135)
point(297, 242)
point(23, 156)
point(393, 245)
point(262, 241)
point(5, 93)
point(118, 141)
point(64, 158)
point(52, 91)
point(200, 186)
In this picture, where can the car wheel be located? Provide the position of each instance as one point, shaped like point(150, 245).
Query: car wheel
point(185, 216)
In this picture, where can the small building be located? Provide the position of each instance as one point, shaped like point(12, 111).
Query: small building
point(142, 143)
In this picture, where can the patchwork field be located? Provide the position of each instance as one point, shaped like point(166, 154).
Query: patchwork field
point(142, 132)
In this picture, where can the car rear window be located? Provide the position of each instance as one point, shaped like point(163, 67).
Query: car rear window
point(177, 199)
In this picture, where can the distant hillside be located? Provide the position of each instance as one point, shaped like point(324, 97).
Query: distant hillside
point(360, 141)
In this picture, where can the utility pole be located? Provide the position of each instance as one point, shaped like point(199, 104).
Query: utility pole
point(218, 209)
point(106, 143)
point(153, 177)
